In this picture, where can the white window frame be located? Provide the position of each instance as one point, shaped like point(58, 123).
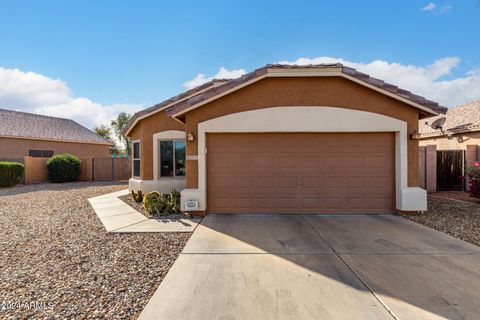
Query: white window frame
point(139, 158)
point(159, 151)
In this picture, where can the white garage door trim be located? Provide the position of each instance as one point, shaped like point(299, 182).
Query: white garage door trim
point(312, 119)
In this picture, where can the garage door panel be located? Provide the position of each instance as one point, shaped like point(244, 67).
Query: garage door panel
point(379, 203)
point(288, 203)
point(242, 182)
point(266, 203)
point(221, 203)
point(334, 181)
point(220, 182)
point(265, 182)
point(356, 203)
point(310, 202)
point(243, 203)
point(265, 161)
point(310, 182)
point(357, 182)
point(300, 173)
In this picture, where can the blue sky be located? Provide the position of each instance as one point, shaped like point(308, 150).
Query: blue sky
point(133, 54)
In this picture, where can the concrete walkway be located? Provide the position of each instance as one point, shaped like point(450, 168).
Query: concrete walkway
point(119, 217)
point(319, 267)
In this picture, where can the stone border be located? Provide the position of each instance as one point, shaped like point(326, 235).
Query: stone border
point(118, 217)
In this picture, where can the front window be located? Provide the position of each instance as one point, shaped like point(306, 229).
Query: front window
point(136, 158)
point(40, 153)
point(172, 158)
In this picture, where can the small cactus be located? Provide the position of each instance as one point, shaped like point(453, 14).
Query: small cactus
point(137, 196)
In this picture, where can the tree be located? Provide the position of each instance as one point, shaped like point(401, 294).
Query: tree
point(119, 124)
point(106, 132)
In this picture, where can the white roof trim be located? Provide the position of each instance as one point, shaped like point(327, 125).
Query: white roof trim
point(323, 72)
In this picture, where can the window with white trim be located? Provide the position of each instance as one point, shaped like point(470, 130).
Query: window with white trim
point(136, 158)
point(172, 158)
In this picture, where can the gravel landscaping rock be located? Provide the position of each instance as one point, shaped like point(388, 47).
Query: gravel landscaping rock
point(128, 199)
point(459, 219)
point(55, 252)
point(456, 195)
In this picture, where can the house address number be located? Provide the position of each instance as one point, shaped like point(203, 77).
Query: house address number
point(192, 157)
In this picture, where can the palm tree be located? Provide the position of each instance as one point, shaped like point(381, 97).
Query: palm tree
point(119, 125)
point(106, 132)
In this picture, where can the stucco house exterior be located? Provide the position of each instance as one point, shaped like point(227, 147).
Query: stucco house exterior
point(285, 139)
point(32, 135)
point(462, 128)
point(459, 142)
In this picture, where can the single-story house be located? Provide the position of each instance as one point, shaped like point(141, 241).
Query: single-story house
point(285, 139)
point(461, 128)
point(443, 155)
point(32, 135)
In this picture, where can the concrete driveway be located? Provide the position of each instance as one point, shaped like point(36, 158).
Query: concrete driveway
point(319, 267)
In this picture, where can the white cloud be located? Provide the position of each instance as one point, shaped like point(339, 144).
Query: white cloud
point(446, 8)
point(221, 74)
point(33, 92)
point(428, 81)
point(429, 7)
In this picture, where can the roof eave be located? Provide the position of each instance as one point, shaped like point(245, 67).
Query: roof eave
point(449, 131)
point(195, 91)
point(304, 72)
point(57, 140)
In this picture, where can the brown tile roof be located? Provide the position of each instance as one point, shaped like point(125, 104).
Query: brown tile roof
point(28, 125)
point(215, 87)
point(230, 84)
point(179, 97)
point(465, 117)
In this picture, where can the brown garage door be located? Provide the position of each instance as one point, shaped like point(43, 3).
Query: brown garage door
point(300, 173)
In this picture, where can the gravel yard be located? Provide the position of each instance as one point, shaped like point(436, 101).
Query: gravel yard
point(459, 219)
point(456, 195)
point(55, 252)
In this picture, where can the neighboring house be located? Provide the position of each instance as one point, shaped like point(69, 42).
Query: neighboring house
point(285, 139)
point(443, 155)
point(462, 128)
point(32, 135)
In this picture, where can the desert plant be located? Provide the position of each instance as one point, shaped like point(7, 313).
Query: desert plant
point(137, 196)
point(162, 204)
point(175, 199)
point(473, 172)
point(151, 202)
point(63, 168)
point(11, 173)
point(169, 203)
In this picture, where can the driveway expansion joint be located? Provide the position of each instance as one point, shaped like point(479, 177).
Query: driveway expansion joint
point(380, 300)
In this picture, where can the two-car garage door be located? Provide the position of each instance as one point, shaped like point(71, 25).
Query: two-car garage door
point(300, 173)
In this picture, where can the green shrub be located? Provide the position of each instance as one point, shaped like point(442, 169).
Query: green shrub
point(63, 168)
point(162, 204)
point(11, 173)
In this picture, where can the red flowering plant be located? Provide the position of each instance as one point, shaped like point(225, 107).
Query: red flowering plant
point(473, 173)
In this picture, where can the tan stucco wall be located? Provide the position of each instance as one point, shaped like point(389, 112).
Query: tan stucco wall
point(18, 148)
point(144, 131)
point(321, 91)
point(458, 142)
